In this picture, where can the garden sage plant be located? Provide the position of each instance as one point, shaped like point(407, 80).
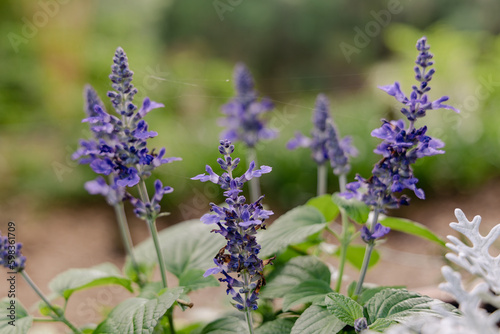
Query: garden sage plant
point(296, 294)
point(402, 145)
point(238, 223)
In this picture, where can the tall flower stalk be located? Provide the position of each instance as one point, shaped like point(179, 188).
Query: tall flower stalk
point(244, 120)
point(238, 223)
point(12, 259)
point(119, 150)
point(326, 146)
point(402, 145)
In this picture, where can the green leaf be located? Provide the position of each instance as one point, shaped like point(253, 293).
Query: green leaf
point(297, 270)
point(22, 321)
point(344, 308)
point(291, 228)
point(381, 324)
point(326, 206)
point(138, 315)
point(185, 246)
point(355, 209)
point(190, 328)
point(306, 292)
point(73, 280)
point(228, 325)
point(317, 319)
point(398, 305)
point(367, 293)
point(193, 279)
point(356, 253)
point(281, 326)
point(410, 227)
point(151, 290)
point(44, 309)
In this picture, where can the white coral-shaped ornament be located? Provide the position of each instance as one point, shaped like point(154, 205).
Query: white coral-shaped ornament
point(476, 259)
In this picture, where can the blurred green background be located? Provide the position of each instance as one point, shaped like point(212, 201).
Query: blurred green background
point(183, 53)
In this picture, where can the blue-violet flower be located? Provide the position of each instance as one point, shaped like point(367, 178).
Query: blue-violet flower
point(10, 254)
point(402, 144)
point(238, 223)
point(243, 113)
point(325, 143)
point(118, 148)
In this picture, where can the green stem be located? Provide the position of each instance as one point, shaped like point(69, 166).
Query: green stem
point(43, 320)
point(345, 237)
point(368, 253)
point(143, 193)
point(322, 179)
point(248, 312)
point(254, 182)
point(59, 317)
point(125, 234)
point(170, 318)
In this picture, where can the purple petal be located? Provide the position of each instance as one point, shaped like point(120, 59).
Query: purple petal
point(102, 166)
point(209, 219)
point(147, 106)
point(395, 90)
point(97, 186)
point(298, 141)
point(212, 271)
point(438, 104)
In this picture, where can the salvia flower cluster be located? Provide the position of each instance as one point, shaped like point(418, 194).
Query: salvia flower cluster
point(10, 254)
point(244, 112)
point(402, 144)
point(118, 147)
point(325, 143)
point(238, 223)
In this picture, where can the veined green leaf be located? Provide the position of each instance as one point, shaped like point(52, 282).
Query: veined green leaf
point(22, 321)
point(193, 279)
point(282, 326)
point(381, 324)
point(73, 280)
point(399, 304)
point(291, 228)
point(138, 315)
point(344, 308)
point(228, 325)
point(306, 292)
point(297, 270)
point(316, 319)
point(187, 245)
point(367, 293)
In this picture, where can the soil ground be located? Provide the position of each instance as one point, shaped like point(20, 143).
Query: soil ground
point(61, 238)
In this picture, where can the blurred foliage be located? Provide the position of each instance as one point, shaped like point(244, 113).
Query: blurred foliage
point(183, 54)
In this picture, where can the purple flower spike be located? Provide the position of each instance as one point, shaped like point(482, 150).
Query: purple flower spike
point(10, 254)
point(238, 224)
point(243, 113)
point(325, 144)
point(119, 145)
point(402, 144)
